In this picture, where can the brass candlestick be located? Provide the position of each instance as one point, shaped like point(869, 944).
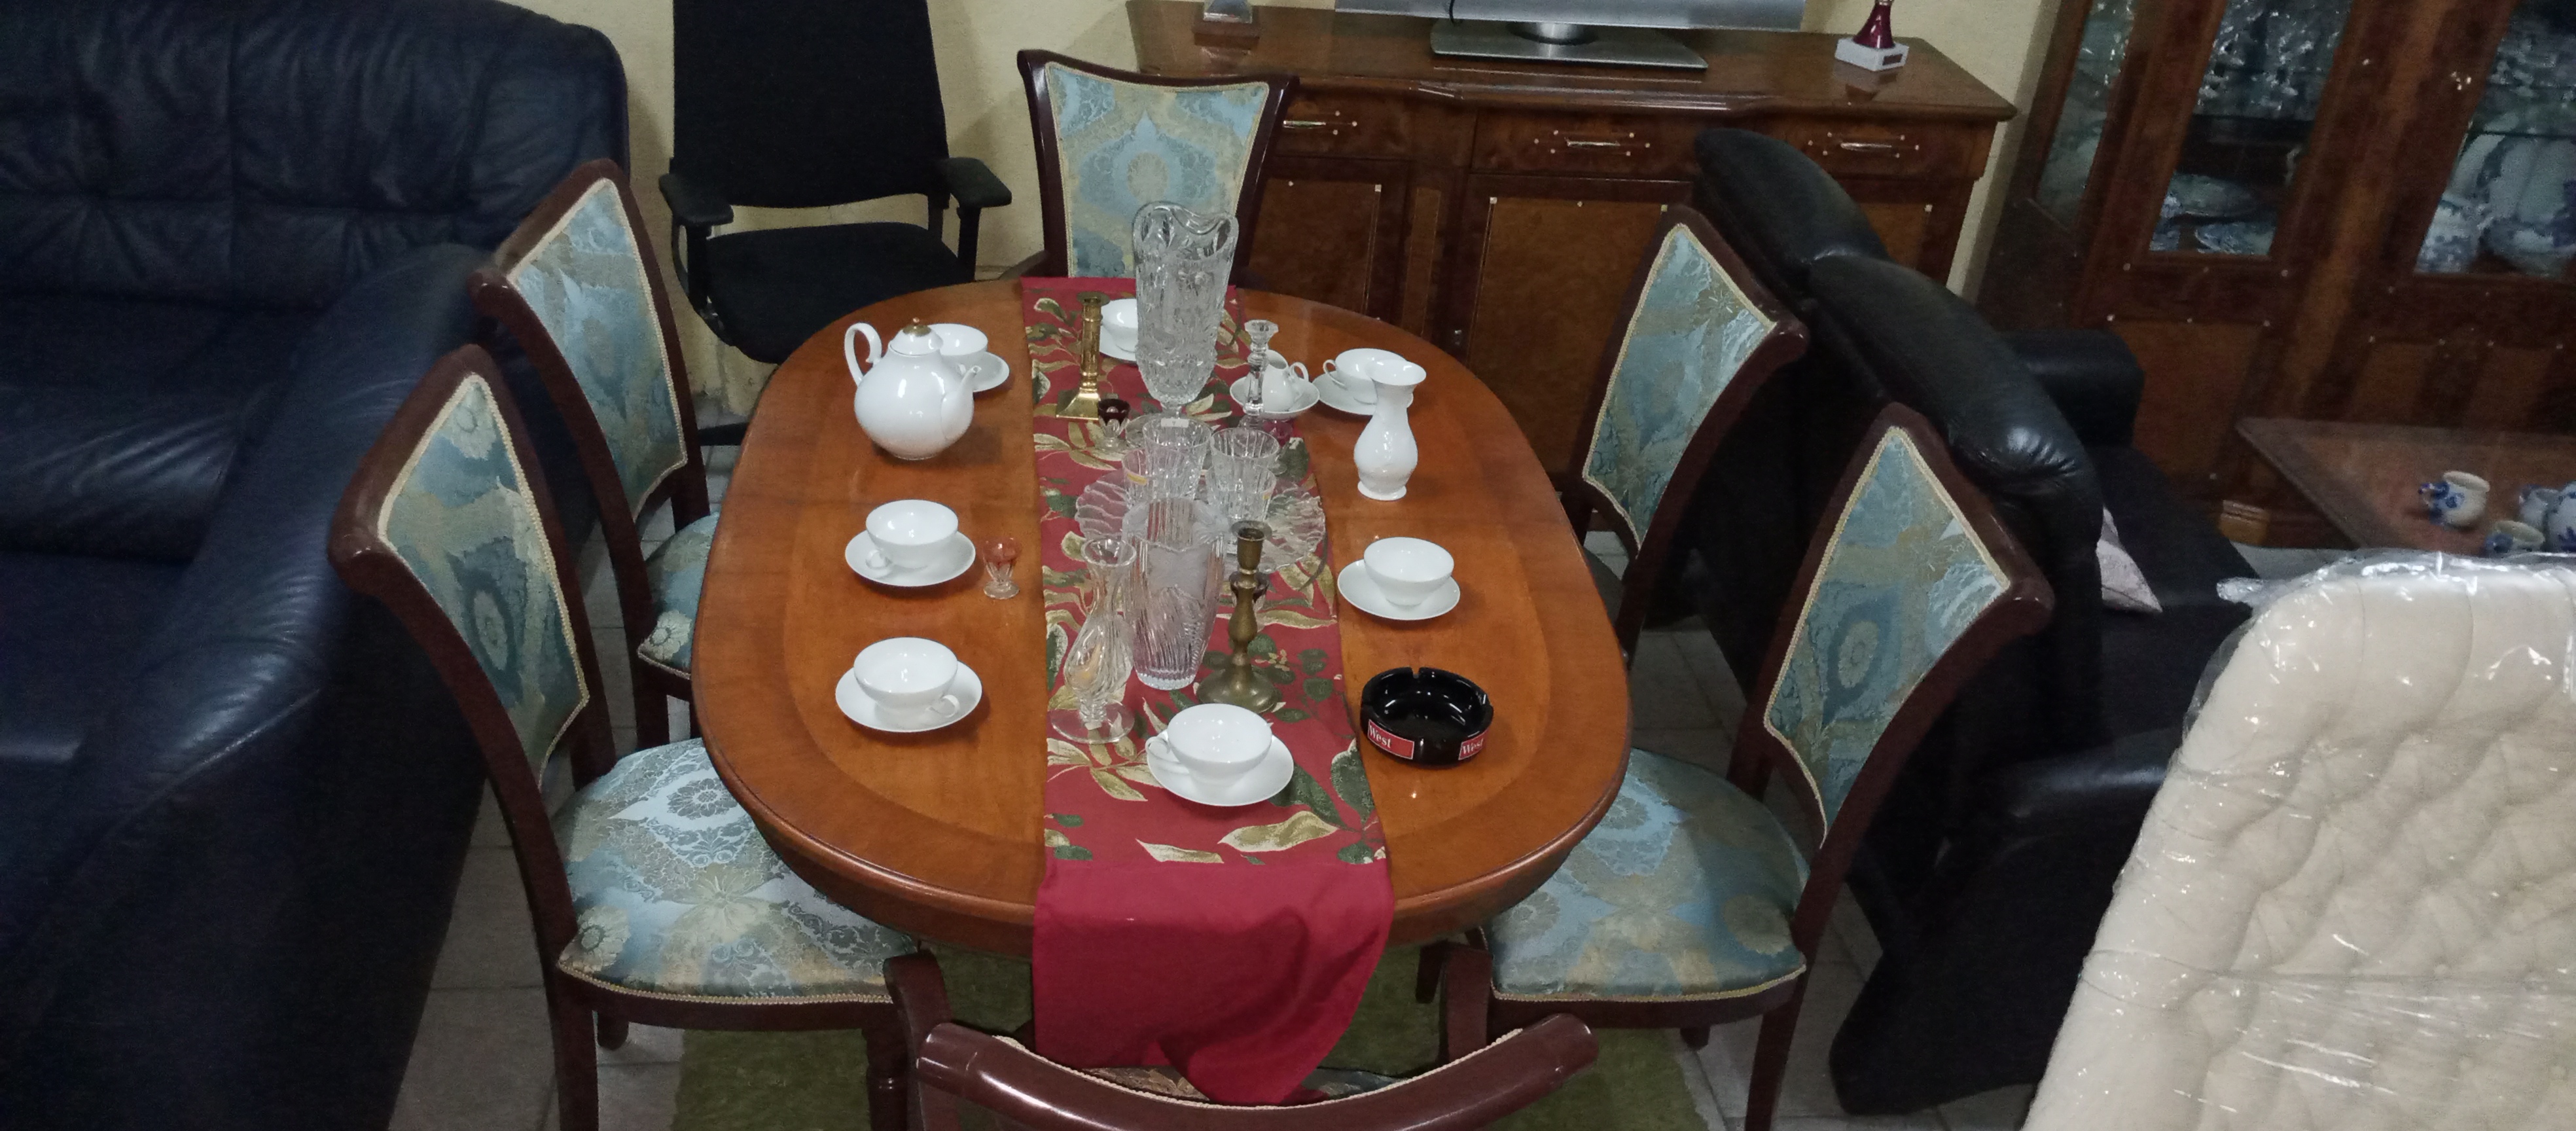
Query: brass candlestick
point(1085, 404)
point(1239, 684)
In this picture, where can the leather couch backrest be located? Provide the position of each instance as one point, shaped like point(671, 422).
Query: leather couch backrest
point(265, 153)
point(1781, 211)
point(1923, 346)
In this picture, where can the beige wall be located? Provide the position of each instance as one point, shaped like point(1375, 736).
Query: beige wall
point(1996, 40)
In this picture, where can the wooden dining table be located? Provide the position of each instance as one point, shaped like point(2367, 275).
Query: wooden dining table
point(939, 833)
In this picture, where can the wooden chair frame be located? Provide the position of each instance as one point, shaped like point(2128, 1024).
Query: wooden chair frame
point(953, 1062)
point(2022, 608)
point(685, 489)
point(1786, 342)
point(374, 568)
point(1247, 206)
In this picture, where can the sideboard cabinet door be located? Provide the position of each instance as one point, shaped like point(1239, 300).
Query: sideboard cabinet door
point(1332, 230)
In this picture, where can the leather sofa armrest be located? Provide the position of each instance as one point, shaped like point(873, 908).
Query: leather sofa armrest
point(694, 205)
point(203, 799)
point(2084, 790)
point(973, 184)
point(2091, 375)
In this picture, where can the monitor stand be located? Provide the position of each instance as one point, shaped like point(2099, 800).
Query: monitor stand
point(1563, 43)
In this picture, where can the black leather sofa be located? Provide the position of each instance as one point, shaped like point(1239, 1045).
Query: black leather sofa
point(1991, 862)
point(233, 798)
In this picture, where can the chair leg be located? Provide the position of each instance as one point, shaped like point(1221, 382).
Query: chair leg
point(652, 708)
point(612, 1032)
point(889, 1075)
point(576, 1062)
point(1771, 1061)
point(1426, 972)
point(1695, 1036)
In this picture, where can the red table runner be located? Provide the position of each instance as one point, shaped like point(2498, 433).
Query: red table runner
point(1229, 943)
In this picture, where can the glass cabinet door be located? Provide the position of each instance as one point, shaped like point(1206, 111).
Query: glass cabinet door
point(2258, 103)
point(2510, 205)
point(2104, 45)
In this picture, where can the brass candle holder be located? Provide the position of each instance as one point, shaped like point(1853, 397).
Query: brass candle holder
point(1239, 684)
point(1085, 404)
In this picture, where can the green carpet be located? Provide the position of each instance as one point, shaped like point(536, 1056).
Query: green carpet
point(800, 1081)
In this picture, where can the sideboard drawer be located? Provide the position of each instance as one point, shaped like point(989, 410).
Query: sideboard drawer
point(1855, 147)
point(1615, 145)
point(1333, 124)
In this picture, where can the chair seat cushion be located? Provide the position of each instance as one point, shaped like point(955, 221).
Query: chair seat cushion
point(775, 288)
point(1683, 891)
point(677, 894)
point(675, 571)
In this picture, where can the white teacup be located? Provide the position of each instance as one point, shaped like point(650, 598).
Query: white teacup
point(911, 679)
point(908, 533)
point(1118, 323)
point(957, 340)
point(1407, 570)
point(1217, 742)
point(1357, 370)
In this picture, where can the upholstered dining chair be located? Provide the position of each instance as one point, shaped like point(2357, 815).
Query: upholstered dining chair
point(965, 1078)
point(1111, 142)
point(1698, 340)
point(582, 294)
point(1691, 904)
point(2350, 903)
point(655, 899)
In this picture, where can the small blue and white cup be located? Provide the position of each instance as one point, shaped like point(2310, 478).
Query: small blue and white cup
point(2456, 500)
point(2537, 502)
point(2510, 537)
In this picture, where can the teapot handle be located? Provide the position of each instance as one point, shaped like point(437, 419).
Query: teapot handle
point(849, 352)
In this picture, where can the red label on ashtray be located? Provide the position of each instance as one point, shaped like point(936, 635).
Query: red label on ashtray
point(1399, 747)
point(1469, 748)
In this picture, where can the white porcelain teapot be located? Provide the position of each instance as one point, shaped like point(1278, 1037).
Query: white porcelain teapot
point(913, 403)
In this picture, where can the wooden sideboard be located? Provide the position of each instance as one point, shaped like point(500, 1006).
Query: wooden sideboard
point(1499, 209)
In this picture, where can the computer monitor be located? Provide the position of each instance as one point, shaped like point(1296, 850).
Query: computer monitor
point(1612, 32)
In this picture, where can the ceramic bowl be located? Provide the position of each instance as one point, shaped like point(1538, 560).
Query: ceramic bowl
point(1217, 742)
point(1407, 570)
point(2192, 194)
point(910, 532)
point(907, 676)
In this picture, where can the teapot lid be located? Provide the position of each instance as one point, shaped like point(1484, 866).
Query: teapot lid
point(916, 338)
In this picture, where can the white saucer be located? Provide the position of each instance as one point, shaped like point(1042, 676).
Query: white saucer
point(960, 551)
point(1361, 591)
point(1242, 387)
point(862, 710)
point(1335, 396)
point(985, 371)
point(1258, 784)
point(1121, 346)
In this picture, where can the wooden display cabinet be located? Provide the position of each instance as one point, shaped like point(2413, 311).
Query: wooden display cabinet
point(2168, 133)
point(1500, 209)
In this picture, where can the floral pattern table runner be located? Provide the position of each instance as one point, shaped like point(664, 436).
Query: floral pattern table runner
point(1230, 943)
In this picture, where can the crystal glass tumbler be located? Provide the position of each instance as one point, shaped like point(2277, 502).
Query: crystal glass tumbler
point(1183, 260)
point(1174, 448)
point(1243, 470)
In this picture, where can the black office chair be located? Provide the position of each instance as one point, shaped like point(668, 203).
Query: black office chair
point(802, 104)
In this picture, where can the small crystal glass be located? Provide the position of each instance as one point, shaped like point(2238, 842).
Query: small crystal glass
point(1103, 653)
point(1114, 413)
point(1243, 470)
point(1174, 449)
point(1000, 554)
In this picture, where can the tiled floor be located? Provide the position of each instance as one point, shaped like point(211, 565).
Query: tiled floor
point(483, 1062)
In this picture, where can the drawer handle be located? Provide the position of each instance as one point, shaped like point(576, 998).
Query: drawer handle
point(1303, 123)
point(1885, 148)
point(1594, 143)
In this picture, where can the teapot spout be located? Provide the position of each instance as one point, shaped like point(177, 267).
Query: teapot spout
point(850, 353)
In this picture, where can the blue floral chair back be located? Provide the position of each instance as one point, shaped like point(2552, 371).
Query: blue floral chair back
point(449, 524)
point(1912, 565)
point(1699, 339)
point(1111, 142)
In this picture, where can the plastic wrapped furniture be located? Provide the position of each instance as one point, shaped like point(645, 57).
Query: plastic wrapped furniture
point(2354, 902)
point(233, 799)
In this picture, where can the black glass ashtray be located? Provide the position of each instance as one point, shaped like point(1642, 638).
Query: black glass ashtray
point(1426, 716)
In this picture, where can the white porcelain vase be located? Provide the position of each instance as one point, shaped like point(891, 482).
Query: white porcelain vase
point(1386, 454)
point(910, 399)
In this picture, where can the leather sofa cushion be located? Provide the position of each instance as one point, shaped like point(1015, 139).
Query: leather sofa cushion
point(69, 629)
point(140, 346)
point(102, 473)
point(2152, 664)
point(268, 152)
point(1780, 210)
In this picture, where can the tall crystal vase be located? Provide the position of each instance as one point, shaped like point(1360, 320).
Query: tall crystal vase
point(1183, 259)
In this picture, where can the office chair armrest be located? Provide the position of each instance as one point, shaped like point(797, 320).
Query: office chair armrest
point(694, 205)
point(973, 184)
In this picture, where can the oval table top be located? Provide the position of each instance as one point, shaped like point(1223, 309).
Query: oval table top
point(938, 834)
